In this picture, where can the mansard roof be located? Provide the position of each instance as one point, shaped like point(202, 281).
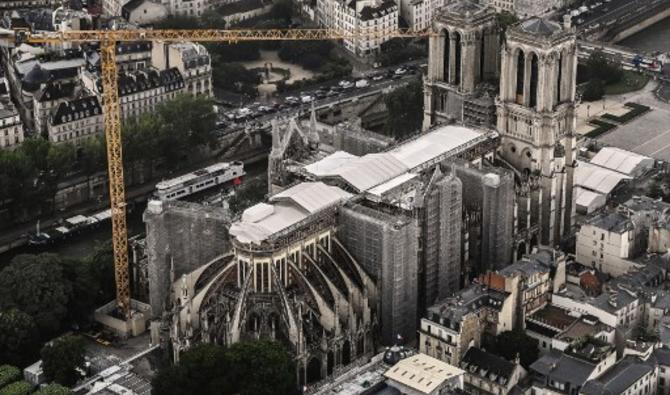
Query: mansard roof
point(487, 365)
point(76, 109)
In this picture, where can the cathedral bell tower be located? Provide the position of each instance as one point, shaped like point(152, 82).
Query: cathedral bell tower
point(462, 55)
point(536, 120)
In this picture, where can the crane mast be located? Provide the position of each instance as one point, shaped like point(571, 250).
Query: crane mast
point(112, 113)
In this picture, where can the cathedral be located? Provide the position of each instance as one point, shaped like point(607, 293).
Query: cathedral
point(533, 108)
point(360, 234)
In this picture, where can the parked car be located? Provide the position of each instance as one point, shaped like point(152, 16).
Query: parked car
point(306, 99)
point(362, 83)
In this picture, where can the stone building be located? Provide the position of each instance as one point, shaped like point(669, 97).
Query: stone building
point(385, 245)
point(462, 57)
point(191, 59)
point(488, 212)
point(440, 207)
point(287, 277)
point(9, 5)
point(11, 127)
point(536, 119)
point(76, 121)
point(140, 91)
point(181, 237)
point(367, 17)
point(455, 324)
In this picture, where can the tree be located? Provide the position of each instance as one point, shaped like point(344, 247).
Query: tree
point(35, 285)
point(249, 193)
point(510, 344)
point(258, 368)
point(594, 90)
point(204, 367)
point(599, 67)
point(261, 368)
point(18, 338)
point(17, 388)
point(282, 10)
point(506, 19)
point(63, 359)
point(53, 389)
point(9, 374)
point(405, 110)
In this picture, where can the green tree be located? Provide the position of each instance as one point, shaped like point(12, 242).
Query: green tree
point(506, 19)
point(510, 344)
point(236, 78)
point(17, 388)
point(261, 368)
point(405, 110)
point(35, 285)
point(599, 67)
point(204, 367)
point(179, 22)
point(282, 10)
point(53, 389)
point(258, 368)
point(93, 157)
point(63, 358)
point(594, 90)
point(19, 337)
point(9, 374)
point(249, 193)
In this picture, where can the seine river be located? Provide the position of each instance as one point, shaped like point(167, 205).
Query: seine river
point(654, 38)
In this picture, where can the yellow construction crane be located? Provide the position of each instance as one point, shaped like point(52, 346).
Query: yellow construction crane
point(110, 99)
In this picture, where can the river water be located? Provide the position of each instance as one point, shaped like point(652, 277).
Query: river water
point(654, 38)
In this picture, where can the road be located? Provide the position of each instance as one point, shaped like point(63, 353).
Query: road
point(17, 236)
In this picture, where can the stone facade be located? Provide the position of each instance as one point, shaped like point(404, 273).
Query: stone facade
point(461, 58)
point(536, 119)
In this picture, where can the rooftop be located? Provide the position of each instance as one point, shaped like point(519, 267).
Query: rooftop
point(622, 161)
point(371, 170)
point(612, 222)
point(422, 373)
point(540, 26)
point(618, 378)
point(285, 209)
point(487, 365)
point(596, 178)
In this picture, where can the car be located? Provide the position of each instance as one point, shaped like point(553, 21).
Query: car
point(306, 99)
point(378, 77)
point(362, 83)
point(343, 83)
point(320, 94)
point(400, 71)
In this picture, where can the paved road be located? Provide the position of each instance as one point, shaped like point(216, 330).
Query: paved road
point(648, 135)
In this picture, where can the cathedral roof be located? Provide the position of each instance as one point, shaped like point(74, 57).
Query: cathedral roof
point(540, 26)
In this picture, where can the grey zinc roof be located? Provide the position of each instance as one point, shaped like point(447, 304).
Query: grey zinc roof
point(563, 368)
point(540, 26)
point(618, 378)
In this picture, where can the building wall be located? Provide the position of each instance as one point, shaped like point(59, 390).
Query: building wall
point(180, 238)
point(191, 59)
point(385, 245)
point(491, 196)
point(148, 12)
point(441, 223)
point(76, 131)
point(11, 131)
point(605, 250)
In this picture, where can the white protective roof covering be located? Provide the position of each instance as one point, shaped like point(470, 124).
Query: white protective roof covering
point(287, 208)
point(433, 144)
point(623, 161)
point(589, 199)
point(422, 373)
point(372, 170)
point(327, 165)
point(379, 190)
point(596, 178)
